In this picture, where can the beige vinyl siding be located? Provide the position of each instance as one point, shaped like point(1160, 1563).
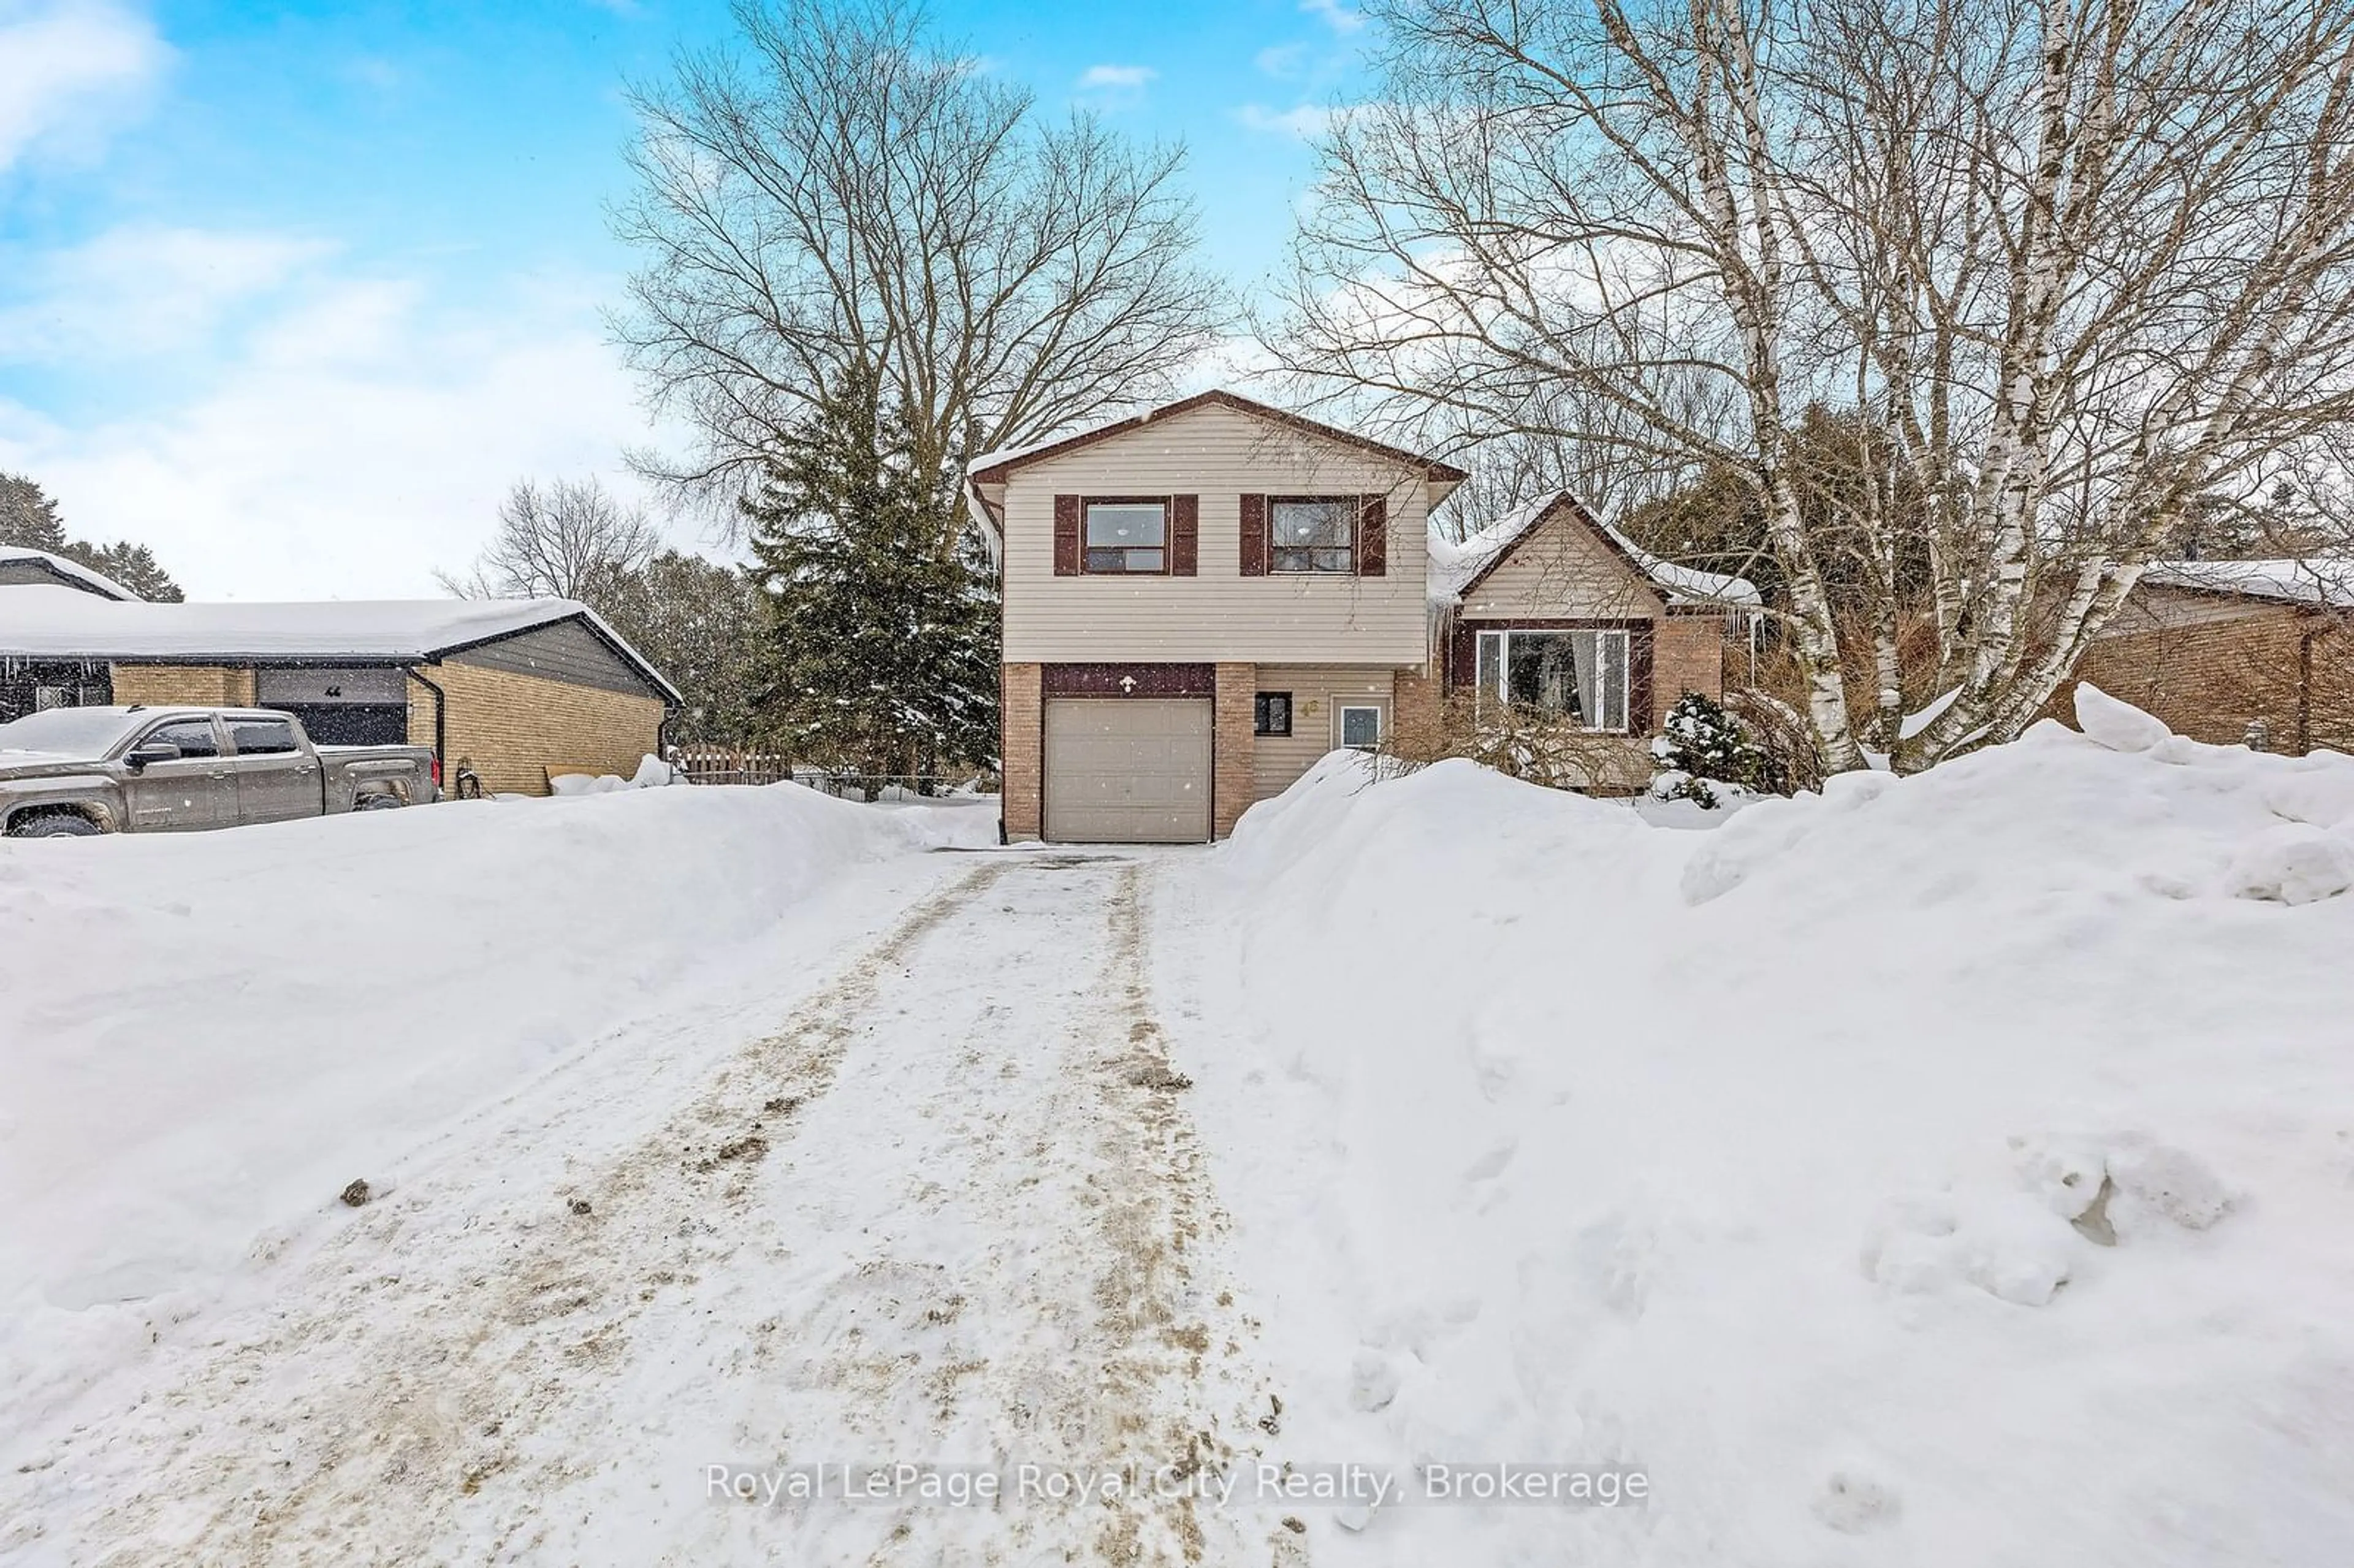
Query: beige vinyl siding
point(1562, 571)
point(1219, 454)
point(1318, 692)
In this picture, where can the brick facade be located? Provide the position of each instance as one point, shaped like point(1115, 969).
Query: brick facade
point(1023, 724)
point(1687, 655)
point(184, 685)
point(1235, 784)
point(513, 730)
point(2292, 670)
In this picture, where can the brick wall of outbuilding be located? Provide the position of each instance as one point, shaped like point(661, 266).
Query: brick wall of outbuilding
point(184, 685)
point(2209, 679)
point(515, 729)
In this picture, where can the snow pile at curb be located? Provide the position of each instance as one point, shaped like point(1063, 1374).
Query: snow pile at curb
point(1950, 1170)
point(207, 1035)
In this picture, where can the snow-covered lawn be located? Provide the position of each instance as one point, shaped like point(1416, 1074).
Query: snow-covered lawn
point(204, 1038)
point(1749, 1158)
point(1955, 1169)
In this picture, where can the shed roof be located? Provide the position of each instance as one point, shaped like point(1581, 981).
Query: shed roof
point(2321, 581)
point(62, 623)
point(60, 566)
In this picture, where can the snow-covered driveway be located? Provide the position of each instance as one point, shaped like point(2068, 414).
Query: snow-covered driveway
point(949, 1211)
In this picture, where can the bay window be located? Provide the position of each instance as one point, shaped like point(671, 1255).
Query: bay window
point(1580, 674)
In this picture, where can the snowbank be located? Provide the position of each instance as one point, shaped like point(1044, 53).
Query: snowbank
point(1950, 1170)
point(202, 1037)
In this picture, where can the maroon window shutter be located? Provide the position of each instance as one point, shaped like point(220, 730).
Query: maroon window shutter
point(1374, 535)
point(1067, 536)
point(1254, 535)
point(1641, 656)
point(1184, 534)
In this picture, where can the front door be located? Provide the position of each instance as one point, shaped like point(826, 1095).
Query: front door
point(276, 780)
point(195, 789)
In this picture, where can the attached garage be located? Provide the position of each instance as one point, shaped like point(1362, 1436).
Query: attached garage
point(1127, 769)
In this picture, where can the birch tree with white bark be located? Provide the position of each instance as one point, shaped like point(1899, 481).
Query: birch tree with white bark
point(2074, 269)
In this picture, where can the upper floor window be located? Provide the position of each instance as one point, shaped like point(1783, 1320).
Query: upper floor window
point(1314, 534)
point(1127, 536)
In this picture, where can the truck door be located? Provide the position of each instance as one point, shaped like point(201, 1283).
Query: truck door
point(276, 778)
point(195, 789)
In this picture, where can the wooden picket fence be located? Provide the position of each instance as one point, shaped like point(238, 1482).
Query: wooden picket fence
point(719, 765)
point(722, 765)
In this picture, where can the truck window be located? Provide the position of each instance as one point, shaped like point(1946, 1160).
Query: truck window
point(193, 737)
point(262, 738)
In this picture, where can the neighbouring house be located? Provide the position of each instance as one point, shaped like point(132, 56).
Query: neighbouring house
point(516, 690)
point(1201, 600)
point(2216, 647)
point(24, 568)
point(1550, 611)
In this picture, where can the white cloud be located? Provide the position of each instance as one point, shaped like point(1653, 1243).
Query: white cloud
point(140, 291)
point(1115, 76)
point(1115, 86)
point(70, 72)
point(1283, 60)
point(1306, 121)
point(1342, 19)
point(356, 436)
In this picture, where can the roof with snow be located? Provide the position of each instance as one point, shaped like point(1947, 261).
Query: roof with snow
point(60, 623)
point(23, 566)
point(2321, 581)
point(1455, 566)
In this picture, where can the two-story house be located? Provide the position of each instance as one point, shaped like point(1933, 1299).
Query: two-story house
point(1201, 601)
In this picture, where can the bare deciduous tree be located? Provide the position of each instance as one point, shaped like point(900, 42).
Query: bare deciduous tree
point(567, 539)
point(838, 193)
point(2073, 268)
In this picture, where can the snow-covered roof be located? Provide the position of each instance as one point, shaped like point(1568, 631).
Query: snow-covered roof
point(1454, 566)
point(2319, 580)
point(62, 623)
point(96, 582)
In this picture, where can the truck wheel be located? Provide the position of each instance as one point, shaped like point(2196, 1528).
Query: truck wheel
point(55, 825)
point(378, 802)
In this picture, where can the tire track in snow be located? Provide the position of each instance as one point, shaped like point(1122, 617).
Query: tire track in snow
point(337, 1463)
point(955, 1211)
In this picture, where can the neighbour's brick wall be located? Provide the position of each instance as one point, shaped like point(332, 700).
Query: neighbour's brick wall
point(1234, 782)
point(184, 685)
point(1022, 717)
point(1687, 655)
point(516, 729)
point(2207, 680)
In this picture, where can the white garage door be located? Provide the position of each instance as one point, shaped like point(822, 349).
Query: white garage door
point(1129, 770)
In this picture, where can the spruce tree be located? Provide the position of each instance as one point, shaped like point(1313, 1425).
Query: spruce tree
point(882, 614)
point(29, 520)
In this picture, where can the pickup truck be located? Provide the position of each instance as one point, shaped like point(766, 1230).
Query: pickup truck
point(76, 771)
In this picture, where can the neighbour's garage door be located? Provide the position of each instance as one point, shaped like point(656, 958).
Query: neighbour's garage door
point(1128, 770)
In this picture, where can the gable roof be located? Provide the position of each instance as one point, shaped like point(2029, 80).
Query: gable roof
point(67, 573)
point(1457, 568)
point(62, 623)
point(994, 467)
point(2319, 581)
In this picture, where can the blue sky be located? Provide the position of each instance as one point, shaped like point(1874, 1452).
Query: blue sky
point(293, 292)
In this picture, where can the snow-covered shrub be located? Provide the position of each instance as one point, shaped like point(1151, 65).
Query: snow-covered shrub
point(1701, 748)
